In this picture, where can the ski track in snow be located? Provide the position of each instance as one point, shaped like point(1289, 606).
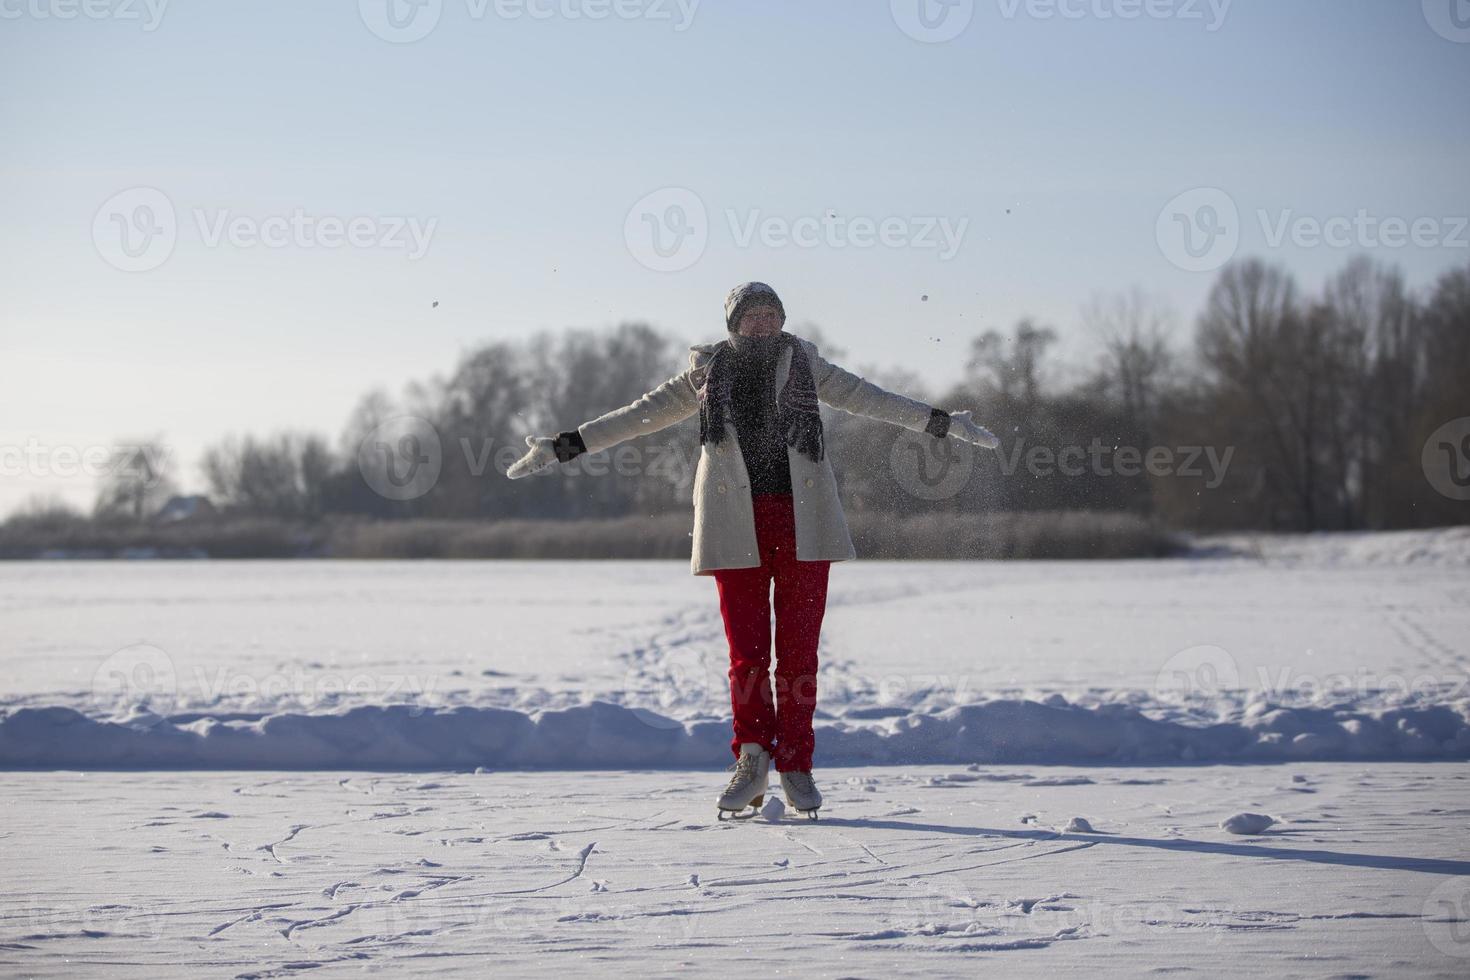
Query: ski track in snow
point(908, 873)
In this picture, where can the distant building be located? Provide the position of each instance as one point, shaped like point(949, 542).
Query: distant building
point(184, 508)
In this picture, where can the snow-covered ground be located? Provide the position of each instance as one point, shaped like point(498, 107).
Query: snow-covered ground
point(550, 664)
point(968, 712)
point(915, 871)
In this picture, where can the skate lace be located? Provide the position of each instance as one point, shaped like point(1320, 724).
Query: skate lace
point(745, 769)
point(802, 782)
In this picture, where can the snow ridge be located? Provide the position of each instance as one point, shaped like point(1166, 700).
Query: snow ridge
point(600, 734)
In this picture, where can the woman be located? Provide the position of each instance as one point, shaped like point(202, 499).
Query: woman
point(765, 510)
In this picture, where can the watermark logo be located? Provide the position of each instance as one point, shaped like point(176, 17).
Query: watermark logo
point(1450, 19)
point(400, 21)
point(1446, 459)
point(660, 696)
point(406, 21)
point(930, 468)
point(149, 13)
point(1362, 230)
point(667, 230)
point(136, 230)
point(1197, 671)
point(1446, 917)
point(140, 674)
point(932, 21)
point(1199, 231)
point(831, 230)
point(1211, 13)
point(148, 462)
point(401, 459)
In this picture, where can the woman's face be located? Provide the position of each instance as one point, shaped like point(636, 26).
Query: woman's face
point(761, 321)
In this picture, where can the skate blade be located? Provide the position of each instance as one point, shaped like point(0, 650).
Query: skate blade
point(752, 809)
point(810, 814)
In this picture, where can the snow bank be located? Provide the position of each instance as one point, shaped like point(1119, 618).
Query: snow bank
point(1444, 547)
point(602, 735)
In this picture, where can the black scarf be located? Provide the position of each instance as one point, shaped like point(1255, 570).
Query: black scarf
point(797, 418)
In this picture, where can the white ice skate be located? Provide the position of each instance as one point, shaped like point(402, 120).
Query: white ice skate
point(801, 793)
point(748, 786)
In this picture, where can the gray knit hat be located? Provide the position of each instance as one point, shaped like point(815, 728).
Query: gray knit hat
point(746, 295)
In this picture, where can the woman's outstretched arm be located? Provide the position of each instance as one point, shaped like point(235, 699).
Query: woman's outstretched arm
point(856, 395)
point(668, 404)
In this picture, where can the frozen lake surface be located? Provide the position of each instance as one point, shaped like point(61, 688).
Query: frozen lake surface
point(555, 664)
point(267, 769)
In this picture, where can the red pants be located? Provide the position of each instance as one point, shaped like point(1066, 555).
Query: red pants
point(782, 725)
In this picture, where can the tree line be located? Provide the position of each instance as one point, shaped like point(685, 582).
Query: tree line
point(1282, 411)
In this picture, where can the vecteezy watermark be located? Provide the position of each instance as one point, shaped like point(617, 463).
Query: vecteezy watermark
point(137, 229)
point(1200, 230)
point(1285, 684)
point(930, 468)
point(1211, 671)
point(1199, 670)
point(831, 230)
point(936, 21)
point(1445, 917)
point(37, 459)
point(669, 229)
point(621, 913)
point(932, 21)
point(1210, 13)
point(144, 676)
point(406, 21)
point(148, 13)
point(692, 687)
point(295, 687)
point(401, 459)
point(1450, 19)
point(1362, 230)
point(1446, 459)
point(935, 469)
point(137, 675)
point(1102, 460)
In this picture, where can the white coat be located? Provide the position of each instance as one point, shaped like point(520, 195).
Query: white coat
point(724, 516)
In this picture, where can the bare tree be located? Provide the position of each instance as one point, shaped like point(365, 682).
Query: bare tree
point(1134, 330)
point(282, 476)
point(138, 481)
point(1011, 367)
point(1277, 369)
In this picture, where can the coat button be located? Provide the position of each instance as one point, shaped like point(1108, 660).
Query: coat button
point(808, 482)
point(721, 488)
point(719, 450)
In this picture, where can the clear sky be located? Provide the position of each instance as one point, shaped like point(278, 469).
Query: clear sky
point(520, 136)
